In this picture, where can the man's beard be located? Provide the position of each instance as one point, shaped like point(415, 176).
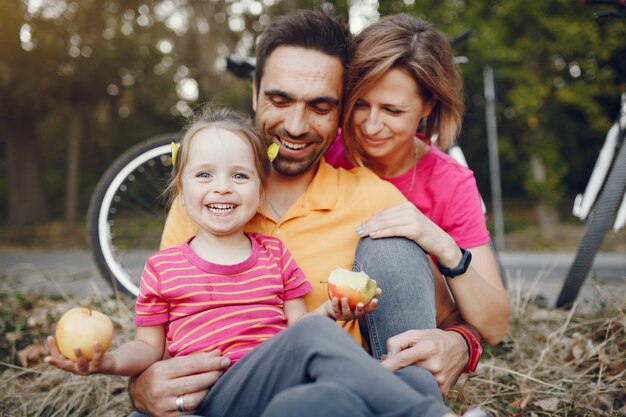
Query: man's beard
point(293, 168)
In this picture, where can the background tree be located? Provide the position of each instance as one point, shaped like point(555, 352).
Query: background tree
point(82, 81)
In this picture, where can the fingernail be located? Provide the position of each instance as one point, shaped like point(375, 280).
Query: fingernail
point(372, 234)
point(359, 230)
point(225, 362)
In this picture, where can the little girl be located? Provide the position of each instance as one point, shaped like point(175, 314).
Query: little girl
point(229, 290)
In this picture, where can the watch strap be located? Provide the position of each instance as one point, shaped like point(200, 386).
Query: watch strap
point(460, 269)
point(473, 344)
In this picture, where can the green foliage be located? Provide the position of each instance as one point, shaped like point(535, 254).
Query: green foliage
point(558, 76)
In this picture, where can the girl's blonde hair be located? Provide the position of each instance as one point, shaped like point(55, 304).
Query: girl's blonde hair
point(417, 47)
point(219, 117)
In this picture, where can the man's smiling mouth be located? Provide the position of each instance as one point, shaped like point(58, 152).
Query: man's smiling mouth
point(293, 146)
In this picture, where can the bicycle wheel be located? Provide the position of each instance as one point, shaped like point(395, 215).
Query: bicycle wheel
point(127, 212)
point(600, 219)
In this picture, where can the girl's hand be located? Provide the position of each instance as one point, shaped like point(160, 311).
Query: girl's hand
point(98, 363)
point(340, 310)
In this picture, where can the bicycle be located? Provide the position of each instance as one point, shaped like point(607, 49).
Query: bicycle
point(126, 212)
point(606, 188)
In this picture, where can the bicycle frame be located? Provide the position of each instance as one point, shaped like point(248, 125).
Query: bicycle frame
point(614, 139)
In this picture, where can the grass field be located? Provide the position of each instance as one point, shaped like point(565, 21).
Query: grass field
point(553, 362)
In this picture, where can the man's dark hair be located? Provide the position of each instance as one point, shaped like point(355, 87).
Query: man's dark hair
point(310, 29)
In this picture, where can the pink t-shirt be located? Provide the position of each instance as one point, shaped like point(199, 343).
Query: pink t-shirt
point(443, 190)
point(207, 306)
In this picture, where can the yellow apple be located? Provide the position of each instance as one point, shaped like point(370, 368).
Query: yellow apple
point(357, 287)
point(81, 327)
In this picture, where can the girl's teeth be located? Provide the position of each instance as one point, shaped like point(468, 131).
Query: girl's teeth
point(221, 207)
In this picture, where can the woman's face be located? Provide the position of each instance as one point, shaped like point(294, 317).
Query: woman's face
point(386, 117)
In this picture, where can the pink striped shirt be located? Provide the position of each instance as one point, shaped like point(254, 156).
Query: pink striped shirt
point(207, 306)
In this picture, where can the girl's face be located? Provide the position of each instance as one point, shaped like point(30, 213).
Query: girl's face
point(386, 117)
point(221, 187)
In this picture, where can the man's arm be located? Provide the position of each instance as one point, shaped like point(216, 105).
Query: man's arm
point(154, 391)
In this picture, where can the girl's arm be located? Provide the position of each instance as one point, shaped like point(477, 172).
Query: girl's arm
point(130, 359)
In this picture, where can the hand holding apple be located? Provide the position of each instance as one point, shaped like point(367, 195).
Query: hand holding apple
point(82, 338)
point(351, 294)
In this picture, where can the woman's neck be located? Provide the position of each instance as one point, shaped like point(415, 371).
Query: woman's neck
point(400, 161)
point(222, 249)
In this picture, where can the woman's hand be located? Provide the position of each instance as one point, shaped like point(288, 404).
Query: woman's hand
point(155, 391)
point(405, 220)
point(442, 353)
point(99, 363)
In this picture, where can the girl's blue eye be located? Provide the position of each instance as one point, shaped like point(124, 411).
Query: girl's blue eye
point(240, 176)
point(203, 175)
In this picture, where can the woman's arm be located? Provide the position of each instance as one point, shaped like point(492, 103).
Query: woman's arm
point(481, 299)
point(479, 294)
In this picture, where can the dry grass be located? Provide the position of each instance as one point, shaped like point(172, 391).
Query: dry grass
point(554, 362)
point(31, 388)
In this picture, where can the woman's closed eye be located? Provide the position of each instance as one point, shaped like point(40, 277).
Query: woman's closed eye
point(393, 110)
point(360, 104)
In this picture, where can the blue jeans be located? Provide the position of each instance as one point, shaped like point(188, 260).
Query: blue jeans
point(402, 270)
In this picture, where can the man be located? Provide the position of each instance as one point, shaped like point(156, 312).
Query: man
point(314, 209)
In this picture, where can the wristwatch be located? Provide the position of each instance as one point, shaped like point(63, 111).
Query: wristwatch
point(460, 269)
point(473, 344)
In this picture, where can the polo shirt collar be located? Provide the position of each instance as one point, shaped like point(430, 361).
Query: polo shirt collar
point(323, 191)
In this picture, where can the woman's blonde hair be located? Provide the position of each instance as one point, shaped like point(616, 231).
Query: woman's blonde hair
point(419, 48)
point(220, 117)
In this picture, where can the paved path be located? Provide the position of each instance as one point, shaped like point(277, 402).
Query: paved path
point(74, 272)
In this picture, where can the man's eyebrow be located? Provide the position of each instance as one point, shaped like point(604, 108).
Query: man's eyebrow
point(326, 99)
point(277, 92)
point(316, 100)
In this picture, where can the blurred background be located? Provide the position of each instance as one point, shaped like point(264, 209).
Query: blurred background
point(81, 81)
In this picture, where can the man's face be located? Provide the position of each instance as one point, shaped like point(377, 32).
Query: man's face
point(298, 106)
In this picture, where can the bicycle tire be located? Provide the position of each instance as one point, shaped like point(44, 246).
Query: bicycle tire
point(126, 212)
point(601, 218)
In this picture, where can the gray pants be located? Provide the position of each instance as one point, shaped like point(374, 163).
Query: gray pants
point(317, 358)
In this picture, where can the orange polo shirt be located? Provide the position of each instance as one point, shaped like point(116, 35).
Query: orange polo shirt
point(318, 229)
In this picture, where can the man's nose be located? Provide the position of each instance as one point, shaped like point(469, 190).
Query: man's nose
point(296, 123)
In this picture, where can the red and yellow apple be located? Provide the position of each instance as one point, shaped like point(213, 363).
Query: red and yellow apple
point(357, 287)
point(81, 327)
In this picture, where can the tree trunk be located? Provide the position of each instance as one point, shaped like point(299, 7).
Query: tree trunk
point(27, 202)
point(547, 216)
point(73, 169)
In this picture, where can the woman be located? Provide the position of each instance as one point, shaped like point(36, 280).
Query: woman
point(402, 78)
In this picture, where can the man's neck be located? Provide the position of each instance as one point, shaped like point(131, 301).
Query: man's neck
point(283, 191)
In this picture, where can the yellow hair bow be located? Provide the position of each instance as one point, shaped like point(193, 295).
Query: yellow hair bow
point(174, 146)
